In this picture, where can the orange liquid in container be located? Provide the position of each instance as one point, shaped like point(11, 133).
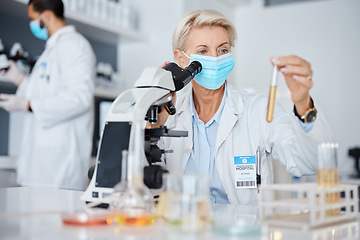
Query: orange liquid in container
point(135, 220)
point(86, 223)
point(86, 218)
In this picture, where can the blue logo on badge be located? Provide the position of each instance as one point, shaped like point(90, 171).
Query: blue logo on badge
point(244, 160)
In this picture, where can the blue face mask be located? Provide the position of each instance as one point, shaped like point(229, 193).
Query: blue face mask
point(39, 32)
point(214, 71)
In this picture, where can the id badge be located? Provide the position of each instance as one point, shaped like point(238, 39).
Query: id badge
point(245, 171)
point(42, 69)
point(45, 70)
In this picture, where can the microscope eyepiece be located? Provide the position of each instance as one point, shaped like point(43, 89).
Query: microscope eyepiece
point(194, 68)
point(182, 77)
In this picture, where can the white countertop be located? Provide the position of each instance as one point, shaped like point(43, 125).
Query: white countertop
point(35, 213)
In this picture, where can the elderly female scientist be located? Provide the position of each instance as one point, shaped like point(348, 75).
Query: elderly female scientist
point(226, 126)
point(57, 98)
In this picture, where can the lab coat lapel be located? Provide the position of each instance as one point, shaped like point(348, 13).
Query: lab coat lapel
point(233, 107)
point(51, 43)
point(188, 142)
point(185, 120)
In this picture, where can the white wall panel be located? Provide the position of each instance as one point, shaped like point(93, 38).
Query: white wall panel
point(327, 34)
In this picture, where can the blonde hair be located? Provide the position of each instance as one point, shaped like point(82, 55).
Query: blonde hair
point(200, 18)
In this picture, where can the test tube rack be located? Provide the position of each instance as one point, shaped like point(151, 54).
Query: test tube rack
point(304, 205)
point(342, 231)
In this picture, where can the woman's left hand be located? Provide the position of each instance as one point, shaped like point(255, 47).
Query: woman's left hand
point(298, 76)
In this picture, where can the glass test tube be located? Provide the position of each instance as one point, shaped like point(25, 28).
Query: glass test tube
point(327, 174)
point(272, 93)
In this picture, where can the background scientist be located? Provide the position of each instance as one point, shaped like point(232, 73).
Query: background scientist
point(226, 126)
point(57, 96)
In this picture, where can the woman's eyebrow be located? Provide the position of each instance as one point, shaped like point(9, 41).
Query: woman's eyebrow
point(201, 45)
point(224, 43)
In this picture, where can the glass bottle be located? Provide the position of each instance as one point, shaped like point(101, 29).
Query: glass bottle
point(133, 203)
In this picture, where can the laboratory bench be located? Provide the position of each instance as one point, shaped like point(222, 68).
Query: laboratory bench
point(35, 213)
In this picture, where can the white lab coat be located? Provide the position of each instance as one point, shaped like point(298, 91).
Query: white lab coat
point(242, 129)
point(57, 136)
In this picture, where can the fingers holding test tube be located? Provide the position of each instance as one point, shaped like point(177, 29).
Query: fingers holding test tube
point(298, 76)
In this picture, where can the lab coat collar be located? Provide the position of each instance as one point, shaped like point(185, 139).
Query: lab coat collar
point(54, 38)
point(234, 102)
point(234, 106)
point(183, 102)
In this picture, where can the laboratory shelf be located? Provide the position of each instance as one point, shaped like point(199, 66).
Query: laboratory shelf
point(91, 27)
point(103, 31)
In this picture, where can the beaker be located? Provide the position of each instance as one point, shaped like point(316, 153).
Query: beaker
point(327, 173)
point(186, 201)
point(132, 202)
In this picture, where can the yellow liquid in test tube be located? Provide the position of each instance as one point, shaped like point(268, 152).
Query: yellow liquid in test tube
point(327, 178)
point(271, 103)
point(272, 94)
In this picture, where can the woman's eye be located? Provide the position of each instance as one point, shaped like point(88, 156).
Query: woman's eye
point(224, 50)
point(202, 51)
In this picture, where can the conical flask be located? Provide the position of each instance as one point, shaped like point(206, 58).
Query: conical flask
point(132, 202)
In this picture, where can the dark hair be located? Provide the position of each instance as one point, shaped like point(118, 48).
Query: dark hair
point(56, 6)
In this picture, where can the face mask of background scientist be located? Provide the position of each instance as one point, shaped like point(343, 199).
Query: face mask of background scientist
point(39, 32)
